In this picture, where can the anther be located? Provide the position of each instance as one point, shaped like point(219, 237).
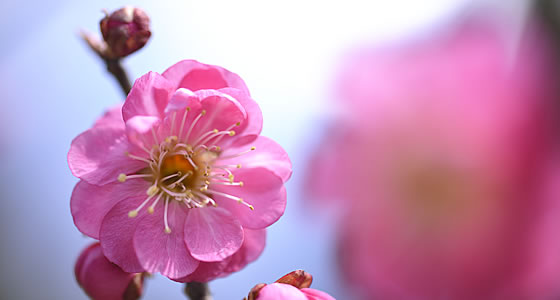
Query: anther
point(132, 213)
point(231, 133)
point(152, 190)
point(122, 177)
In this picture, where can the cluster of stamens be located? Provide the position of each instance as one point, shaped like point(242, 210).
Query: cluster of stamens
point(182, 168)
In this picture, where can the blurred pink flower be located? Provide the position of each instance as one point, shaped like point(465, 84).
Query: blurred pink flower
point(103, 280)
point(439, 164)
point(196, 184)
point(292, 286)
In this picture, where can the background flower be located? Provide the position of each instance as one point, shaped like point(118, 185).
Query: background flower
point(439, 163)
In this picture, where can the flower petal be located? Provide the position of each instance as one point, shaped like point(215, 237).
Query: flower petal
point(100, 278)
point(313, 294)
point(97, 155)
point(163, 252)
point(222, 111)
point(212, 234)
point(253, 124)
point(280, 291)
point(90, 203)
point(253, 245)
point(267, 154)
point(139, 131)
point(148, 97)
point(111, 117)
point(262, 189)
point(116, 233)
point(207, 271)
point(192, 75)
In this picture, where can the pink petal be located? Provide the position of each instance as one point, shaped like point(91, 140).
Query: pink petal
point(112, 117)
point(212, 234)
point(253, 245)
point(98, 155)
point(251, 249)
point(163, 252)
point(90, 203)
point(139, 131)
point(194, 76)
point(222, 111)
point(99, 278)
point(313, 294)
point(207, 271)
point(280, 291)
point(267, 154)
point(116, 233)
point(262, 189)
point(253, 124)
point(148, 97)
point(180, 100)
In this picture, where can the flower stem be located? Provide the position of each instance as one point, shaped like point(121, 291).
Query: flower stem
point(114, 65)
point(198, 291)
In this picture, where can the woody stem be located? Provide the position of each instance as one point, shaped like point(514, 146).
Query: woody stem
point(198, 291)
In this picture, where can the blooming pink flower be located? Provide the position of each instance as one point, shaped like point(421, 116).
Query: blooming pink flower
point(104, 280)
point(439, 165)
point(292, 286)
point(181, 183)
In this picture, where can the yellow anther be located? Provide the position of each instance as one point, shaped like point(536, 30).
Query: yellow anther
point(218, 148)
point(203, 189)
point(251, 207)
point(150, 210)
point(203, 112)
point(253, 148)
point(231, 133)
point(122, 177)
point(188, 108)
point(132, 213)
point(241, 183)
point(238, 123)
point(126, 153)
point(215, 130)
point(152, 190)
point(238, 166)
point(167, 230)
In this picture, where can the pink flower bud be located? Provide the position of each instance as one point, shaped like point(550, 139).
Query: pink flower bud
point(102, 279)
point(294, 286)
point(125, 31)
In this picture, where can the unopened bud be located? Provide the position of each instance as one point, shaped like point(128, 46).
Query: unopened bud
point(125, 31)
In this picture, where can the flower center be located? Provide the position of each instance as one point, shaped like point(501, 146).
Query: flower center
point(184, 169)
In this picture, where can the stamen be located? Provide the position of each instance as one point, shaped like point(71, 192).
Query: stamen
point(152, 190)
point(239, 200)
point(188, 157)
point(206, 198)
point(171, 176)
point(239, 154)
point(173, 122)
point(156, 141)
point(137, 157)
point(180, 179)
point(123, 177)
point(151, 208)
point(202, 113)
point(216, 134)
point(167, 229)
point(134, 213)
point(228, 129)
point(240, 183)
point(183, 122)
point(204, 135)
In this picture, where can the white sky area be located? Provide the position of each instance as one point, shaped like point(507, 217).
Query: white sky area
point(53, 88)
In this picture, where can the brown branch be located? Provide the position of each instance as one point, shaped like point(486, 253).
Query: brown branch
point(114, 65)
point(198, 291)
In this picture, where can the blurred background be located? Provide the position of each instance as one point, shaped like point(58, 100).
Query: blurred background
point(310, 66)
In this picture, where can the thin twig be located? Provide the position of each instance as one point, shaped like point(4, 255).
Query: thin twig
point(114, 65)
point(198, 291)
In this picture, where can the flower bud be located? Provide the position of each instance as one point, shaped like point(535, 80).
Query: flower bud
point(125, 31)
point(101, 279)
point(294, 285)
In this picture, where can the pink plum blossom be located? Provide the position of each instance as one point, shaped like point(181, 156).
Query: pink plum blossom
point(178, 180)
point(292, 286)
point(103, 280)
point(439, 162)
